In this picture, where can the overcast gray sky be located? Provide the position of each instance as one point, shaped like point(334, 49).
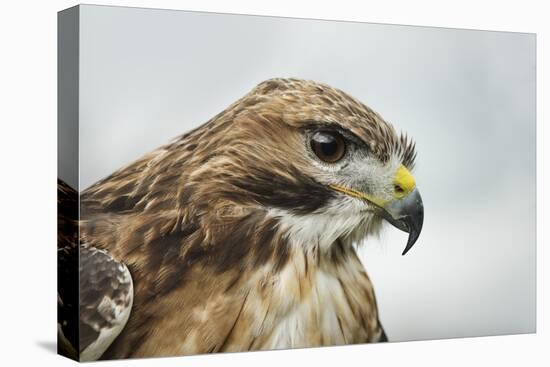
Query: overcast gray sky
point(467, 98)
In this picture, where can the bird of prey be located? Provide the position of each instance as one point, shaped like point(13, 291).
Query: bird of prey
point(241, 234)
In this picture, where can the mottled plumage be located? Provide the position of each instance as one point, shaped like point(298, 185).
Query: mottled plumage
point(238, 238)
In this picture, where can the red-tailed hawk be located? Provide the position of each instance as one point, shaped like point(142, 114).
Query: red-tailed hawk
point(240, 234)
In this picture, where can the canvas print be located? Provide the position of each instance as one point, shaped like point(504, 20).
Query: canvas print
point(231, 183)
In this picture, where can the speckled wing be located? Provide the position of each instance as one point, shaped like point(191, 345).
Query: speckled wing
point(106, 297)
point(94, 291)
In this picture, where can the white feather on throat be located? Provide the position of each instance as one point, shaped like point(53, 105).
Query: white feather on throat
point(346, 219)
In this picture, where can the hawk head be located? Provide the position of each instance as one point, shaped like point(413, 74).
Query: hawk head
point(325, 165)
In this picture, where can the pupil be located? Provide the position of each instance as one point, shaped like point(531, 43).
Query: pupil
point(329, 149)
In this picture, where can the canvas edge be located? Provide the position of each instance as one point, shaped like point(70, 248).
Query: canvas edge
point(68, 44)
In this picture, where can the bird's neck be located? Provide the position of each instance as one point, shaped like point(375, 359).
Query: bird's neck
point(324, 232)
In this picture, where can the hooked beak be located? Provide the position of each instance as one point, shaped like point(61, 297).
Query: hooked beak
point(406, 214)
point(405, 211)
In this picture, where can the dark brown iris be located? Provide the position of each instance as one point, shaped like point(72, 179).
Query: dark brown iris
point(329, 146)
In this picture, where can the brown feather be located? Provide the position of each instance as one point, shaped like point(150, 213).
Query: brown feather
point(212, 270)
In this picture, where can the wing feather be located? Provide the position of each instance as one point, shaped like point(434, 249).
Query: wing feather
point(106, 298)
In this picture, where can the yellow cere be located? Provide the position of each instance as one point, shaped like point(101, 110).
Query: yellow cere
point(404, 182)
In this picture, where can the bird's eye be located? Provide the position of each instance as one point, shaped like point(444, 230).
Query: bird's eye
point(330, 147)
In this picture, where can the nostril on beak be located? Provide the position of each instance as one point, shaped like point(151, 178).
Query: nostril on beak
point(398, 189)
point(403, 183)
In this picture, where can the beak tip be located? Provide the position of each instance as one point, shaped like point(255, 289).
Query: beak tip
point(410, 244)
point(414, 233)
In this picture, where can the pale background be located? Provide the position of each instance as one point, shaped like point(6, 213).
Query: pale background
point(467, 97)
point(28, 276)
